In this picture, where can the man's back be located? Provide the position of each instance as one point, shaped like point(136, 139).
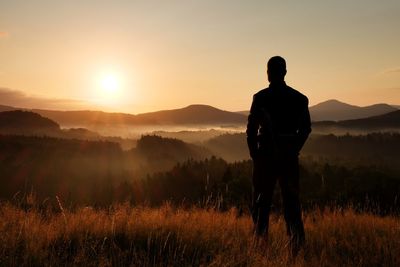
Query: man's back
point(279, 114)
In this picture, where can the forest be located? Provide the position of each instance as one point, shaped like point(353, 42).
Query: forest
point(336, 171)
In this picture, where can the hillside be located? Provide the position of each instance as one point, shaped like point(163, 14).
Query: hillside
point(334, 110)
point(18, 122)
point(25, 122)
point(6, 108)
point(331, 110)
point(243, 112)
point(84, 171)
point(388, 121)
point(193, 114)
point(167, 151)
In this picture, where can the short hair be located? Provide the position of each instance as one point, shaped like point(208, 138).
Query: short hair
point(277, 66)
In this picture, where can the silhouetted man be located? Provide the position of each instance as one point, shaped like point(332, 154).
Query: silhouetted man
point(278, 126)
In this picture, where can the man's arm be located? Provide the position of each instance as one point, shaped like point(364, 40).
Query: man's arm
point(304, 129)
point(253, 124)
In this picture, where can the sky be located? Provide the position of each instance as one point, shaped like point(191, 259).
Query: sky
point(139, 56)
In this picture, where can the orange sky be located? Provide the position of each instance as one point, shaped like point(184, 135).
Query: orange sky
point(169, 54)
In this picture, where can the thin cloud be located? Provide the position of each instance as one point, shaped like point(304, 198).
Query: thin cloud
point(3, 34)
point(390, 71)
point(19, 99)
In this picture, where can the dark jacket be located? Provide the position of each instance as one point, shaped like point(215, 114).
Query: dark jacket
point(279, 121)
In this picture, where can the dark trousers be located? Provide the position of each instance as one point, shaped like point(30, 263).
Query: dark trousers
point(267, 170)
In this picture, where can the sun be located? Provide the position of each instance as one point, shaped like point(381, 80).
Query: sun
point(109, 88)
point(110, 83)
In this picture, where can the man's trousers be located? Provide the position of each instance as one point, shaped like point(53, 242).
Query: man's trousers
point(267, 171)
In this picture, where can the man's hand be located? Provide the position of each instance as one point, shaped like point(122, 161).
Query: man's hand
point(254, 154)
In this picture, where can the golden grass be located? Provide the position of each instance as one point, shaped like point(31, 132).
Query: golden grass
point(167, 236)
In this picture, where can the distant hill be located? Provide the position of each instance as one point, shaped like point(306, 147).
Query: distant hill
point(86, 118)
point(331, 110)
point(6, 108)
point(196, 136)
point(157, 149)
point(25, 122)
point(193, 114)
point(231, 147)
point(243, 112)
point(388, 121)
point(334, 110)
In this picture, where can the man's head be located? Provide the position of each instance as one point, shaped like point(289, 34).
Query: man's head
point(276, 69)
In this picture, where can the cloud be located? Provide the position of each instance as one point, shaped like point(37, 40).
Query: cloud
point(389, 71)
point(3, 34)
point(16, 98)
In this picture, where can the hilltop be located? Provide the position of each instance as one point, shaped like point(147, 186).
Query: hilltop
point(190, 115)
point(23, 122)
point(334, 110)
point(199, 115)
point(388, 121)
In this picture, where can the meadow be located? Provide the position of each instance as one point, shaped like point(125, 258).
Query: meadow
point(125, 235)
point(164, 204)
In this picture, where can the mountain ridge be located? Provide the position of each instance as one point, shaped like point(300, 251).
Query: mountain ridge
point(336, 110)
point(387, 121)
point(189, 115)
point(200, 114)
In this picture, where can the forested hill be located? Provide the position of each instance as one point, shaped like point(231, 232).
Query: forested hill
point(19, 121)
point(388, 121)
point(190, 115)
point(335, 110)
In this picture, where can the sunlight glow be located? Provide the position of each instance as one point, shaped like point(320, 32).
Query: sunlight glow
point(110, 88)
point(110, 83)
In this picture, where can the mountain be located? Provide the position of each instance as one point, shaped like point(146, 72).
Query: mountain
point(331, 110)
point(334, 110)
point(156, 149)
point(26, 122)
point(388, 121)
point(6, 108)
point(18, 122)
point(243, 112)
point(193, 114)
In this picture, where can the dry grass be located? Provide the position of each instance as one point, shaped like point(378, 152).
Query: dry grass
point(141, 236)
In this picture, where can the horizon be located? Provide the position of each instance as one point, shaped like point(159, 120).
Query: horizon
point(183, 107)
point(144, 56)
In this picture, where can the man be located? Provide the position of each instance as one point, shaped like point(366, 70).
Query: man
point(278, 126)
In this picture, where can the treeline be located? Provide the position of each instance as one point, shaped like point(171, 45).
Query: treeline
point(229, 184)
point(50, 166)
point(100, 173)
point(370, 149)
point(81, 171)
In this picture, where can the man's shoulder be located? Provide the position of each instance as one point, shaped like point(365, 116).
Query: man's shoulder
point(297, 94)
point(261, 93)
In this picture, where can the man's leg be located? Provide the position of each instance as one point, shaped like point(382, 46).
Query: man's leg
point(263, 188)
point(289, 183)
